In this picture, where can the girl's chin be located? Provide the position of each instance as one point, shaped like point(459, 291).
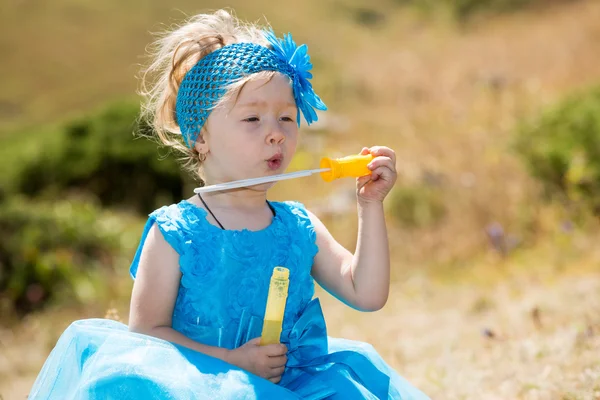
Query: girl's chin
point(263, 186)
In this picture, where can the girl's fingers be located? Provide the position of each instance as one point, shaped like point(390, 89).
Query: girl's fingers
point(274, 350)
point(384, 173)
point(382, 151)
point(276, 362)
point(362, 181)
point(382, 162)
point(275, 372)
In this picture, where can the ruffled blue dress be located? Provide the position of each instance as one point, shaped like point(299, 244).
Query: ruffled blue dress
point(221, 302)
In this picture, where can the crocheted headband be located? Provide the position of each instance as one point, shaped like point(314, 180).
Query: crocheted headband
point(205, 84)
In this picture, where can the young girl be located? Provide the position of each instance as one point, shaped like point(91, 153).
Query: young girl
point(230, 96)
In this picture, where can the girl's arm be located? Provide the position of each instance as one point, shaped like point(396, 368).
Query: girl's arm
point(361, 279)
point(155, 291)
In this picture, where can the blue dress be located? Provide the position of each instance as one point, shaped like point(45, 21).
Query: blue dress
point(221, 302)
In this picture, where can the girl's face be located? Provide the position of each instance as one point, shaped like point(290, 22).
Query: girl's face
point(252, 136)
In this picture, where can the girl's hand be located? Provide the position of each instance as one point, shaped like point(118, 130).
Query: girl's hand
point(265, 361)
point(375, 187)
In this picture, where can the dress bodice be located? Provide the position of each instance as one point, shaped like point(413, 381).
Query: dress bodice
point(226, 273)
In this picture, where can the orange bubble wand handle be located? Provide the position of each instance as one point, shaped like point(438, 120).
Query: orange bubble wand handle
point(346, 167)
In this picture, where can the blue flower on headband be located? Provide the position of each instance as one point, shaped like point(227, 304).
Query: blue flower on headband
point(299, 60)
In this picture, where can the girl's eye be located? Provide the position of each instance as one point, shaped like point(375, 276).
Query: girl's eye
point(252, 119)
point(287, 119)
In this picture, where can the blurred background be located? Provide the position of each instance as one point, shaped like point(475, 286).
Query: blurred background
point(493, 108)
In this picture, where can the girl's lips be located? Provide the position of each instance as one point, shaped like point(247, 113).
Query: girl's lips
point(275, 162)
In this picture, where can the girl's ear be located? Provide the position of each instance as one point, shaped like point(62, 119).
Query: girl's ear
point(201, 144)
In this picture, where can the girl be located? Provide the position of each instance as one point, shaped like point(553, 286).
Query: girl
point(230, 97)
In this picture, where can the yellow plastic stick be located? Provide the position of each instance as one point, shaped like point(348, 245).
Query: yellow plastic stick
point(276, 299)
point(346, 167)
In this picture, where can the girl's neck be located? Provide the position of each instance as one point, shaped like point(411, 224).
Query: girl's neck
point(237, 209)
point(240, 199)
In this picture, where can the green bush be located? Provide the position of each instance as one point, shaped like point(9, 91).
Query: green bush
point(99, 154)
point(561, 148)
point(463, 9)
point(65, 250)
point(416, 206)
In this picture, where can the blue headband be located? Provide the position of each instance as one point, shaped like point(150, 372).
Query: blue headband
point(205, 84)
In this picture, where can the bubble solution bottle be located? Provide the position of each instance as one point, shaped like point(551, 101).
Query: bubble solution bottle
point(276, 300)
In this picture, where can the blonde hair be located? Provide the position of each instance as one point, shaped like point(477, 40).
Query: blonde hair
point(173, 54)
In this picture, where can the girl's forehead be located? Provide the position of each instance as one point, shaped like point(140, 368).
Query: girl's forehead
point(263, 92)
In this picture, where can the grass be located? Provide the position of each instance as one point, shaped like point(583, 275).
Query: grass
point(460, 322)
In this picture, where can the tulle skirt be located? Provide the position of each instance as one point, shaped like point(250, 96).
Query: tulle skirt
point(101, 359)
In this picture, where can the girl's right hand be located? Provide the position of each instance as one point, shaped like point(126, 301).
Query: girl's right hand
point(265, 361)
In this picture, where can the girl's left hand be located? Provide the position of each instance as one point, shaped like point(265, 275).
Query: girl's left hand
point(375, 187)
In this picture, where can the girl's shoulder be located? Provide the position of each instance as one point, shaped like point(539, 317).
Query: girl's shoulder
point(295, 214)
point(168, 212)
point(177, 211)
point(176, 217)
point(291, 209)
point(176, 222)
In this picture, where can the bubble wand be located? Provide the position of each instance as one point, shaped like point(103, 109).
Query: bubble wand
point(330, 169)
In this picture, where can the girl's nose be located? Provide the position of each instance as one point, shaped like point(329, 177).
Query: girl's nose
point(276, 134)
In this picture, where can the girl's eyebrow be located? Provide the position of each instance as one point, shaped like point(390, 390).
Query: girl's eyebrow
point(260, 103)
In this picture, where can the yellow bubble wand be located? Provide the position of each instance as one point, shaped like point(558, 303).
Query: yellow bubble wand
point(330, 169)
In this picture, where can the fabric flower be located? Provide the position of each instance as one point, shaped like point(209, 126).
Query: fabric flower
point(298, 59)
